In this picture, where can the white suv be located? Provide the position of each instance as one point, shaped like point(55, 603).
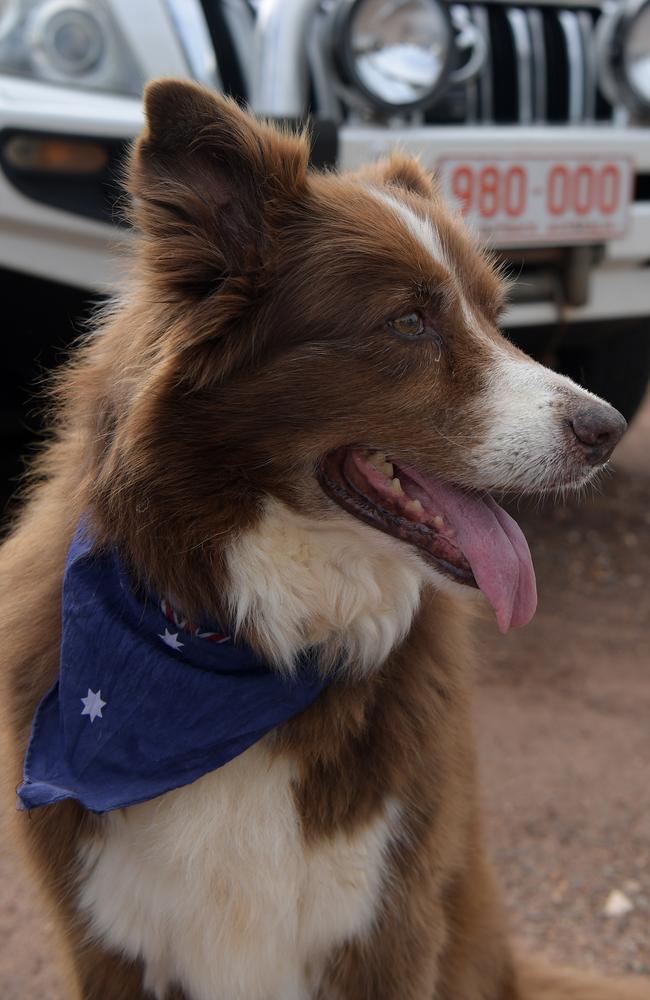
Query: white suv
point(534, 114)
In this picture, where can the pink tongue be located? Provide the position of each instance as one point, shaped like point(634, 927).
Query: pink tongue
point(493, 544)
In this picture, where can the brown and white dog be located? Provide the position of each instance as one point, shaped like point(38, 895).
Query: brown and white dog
point(293, 419)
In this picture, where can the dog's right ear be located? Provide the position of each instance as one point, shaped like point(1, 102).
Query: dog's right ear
point(205, 177)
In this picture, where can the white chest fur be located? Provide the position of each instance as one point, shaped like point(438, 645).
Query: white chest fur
point(333, 584)
point(212, 886)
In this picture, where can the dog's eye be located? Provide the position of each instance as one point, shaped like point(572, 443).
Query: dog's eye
point(412, 326)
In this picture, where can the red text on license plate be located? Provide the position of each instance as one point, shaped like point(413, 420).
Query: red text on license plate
point(540, 199)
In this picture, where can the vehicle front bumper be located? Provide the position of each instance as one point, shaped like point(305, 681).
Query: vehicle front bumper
point(66, 247)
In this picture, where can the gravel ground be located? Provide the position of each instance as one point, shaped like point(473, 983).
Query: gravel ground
point(563, 714)
point(562, 717)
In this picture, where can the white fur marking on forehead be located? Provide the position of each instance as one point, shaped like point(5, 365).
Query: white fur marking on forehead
point(420, 227)
point(423, 230)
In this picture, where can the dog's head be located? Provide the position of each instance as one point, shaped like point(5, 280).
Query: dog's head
point(329, 343)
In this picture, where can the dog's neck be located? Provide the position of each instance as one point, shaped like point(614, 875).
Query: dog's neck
point(337, 585)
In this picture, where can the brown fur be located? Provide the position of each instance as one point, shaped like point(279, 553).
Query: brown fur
point(220, 375)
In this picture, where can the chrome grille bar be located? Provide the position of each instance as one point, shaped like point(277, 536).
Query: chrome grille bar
point(576, 64)
point(538, 45)
point(523, 49)
point(482, 22)
point(471, 87)
point(587, 33)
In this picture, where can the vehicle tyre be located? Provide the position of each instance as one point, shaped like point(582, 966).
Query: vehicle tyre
point(615, 366)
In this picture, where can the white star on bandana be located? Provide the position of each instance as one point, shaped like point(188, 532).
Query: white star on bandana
point(171, 639)
point(93, 704)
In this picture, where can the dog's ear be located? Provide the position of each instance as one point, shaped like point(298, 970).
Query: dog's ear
point(205, 176)
point(399, 171)
point(408, 173)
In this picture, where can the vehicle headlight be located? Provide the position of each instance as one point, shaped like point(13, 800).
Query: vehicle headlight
point(396, 52)
point(624, 53)
point(68, 42)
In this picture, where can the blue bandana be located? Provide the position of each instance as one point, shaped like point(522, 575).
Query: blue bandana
point(145, 702)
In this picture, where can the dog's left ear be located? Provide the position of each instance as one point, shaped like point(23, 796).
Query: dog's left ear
point(400, 171)
point(205, 177)
point(408, 173)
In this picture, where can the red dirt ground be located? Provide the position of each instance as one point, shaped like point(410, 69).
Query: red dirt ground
point(562, 712)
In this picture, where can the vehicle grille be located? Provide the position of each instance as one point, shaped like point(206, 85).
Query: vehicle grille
point(540, 67)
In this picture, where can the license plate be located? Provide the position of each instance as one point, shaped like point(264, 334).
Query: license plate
point(540, 199)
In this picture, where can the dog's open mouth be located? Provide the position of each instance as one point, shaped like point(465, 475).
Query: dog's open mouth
point(466, 536)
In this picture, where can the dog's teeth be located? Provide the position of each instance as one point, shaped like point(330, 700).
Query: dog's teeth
point(438, 521)
point(415, 506)
point(377, 459)
point(387, 469)
point(396, 487)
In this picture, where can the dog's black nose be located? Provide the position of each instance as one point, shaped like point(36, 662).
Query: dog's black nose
point(598, 427)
